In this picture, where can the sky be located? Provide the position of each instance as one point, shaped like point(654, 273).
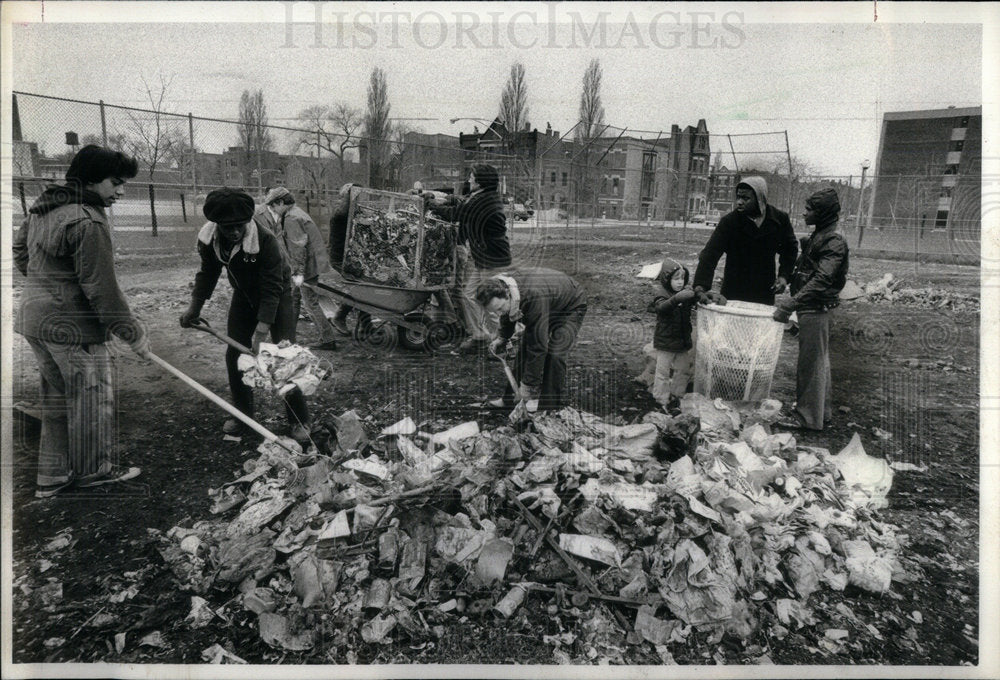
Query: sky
point(824, 74)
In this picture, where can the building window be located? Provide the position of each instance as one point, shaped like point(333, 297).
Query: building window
point(614, 185)
point(957, 145)
point(965, 122)
point(553, 177)
point(565, 179)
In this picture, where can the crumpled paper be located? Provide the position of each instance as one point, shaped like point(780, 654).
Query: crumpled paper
point(281, 368)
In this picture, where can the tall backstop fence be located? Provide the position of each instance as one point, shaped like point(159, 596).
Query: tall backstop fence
point(599, 175)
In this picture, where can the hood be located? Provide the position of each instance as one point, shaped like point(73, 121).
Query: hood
point(826, 206)
point(759, 188)
point(251, 241)
point(667, 269)
point(56, 196)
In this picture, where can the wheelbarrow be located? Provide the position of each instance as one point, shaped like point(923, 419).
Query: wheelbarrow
point(418, 318)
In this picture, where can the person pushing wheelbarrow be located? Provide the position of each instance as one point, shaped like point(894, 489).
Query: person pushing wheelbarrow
point(261, 305)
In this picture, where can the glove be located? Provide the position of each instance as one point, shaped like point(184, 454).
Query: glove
point(260, 335)
point(498, 345)
point(779, 285)
point(783, 309)
point(544, 496)
point(141, 346)
point(191, 315)
point(717, 299)
point(297, 280)
point(703, 298)
point(685, 295)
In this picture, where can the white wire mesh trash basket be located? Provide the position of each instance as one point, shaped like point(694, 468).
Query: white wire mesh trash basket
point(737, 351)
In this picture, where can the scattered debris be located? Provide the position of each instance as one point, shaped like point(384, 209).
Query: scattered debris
point(890, 289)
point(217, 654)
point(703, 520)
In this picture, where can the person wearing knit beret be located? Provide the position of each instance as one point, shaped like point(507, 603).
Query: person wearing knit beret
point(817, 279)
point(261, 306)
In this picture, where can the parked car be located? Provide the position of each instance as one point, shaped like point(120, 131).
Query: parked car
point(520, 212)
point(712, 217)
point(696, 218)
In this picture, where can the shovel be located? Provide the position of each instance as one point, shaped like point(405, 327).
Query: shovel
point(218, 401)
point(202, 325)
point(520, 411)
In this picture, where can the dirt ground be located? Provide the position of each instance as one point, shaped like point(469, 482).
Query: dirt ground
point(908, 374)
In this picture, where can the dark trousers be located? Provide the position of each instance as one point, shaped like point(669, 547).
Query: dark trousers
point(240, 327)
point(563, 328)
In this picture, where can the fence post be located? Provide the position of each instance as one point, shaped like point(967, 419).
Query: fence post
point(194, 158)
point(184, 212)
point(152, 207)
point(24, 204)
point(104, 124)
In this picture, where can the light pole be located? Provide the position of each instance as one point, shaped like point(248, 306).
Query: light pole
point(861, 194)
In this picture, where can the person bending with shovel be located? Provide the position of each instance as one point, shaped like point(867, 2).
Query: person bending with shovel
point(261, 305)
point(551, 305)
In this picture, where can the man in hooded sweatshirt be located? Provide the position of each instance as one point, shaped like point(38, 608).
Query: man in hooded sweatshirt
point(749, 237)
point(70, 305)
point(818, 278)
point(482, 224)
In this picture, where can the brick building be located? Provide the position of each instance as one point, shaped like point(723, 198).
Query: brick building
point(928, 170)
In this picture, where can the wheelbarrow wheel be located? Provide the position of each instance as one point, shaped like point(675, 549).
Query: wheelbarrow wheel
point(433, 335)
point(378, 335)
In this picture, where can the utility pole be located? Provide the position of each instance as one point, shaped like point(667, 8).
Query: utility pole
point(861, 194)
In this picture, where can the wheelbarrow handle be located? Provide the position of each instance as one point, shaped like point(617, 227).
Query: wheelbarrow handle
point(218, 401)
point(203, 325)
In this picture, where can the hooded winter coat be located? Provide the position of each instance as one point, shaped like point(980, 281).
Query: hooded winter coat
point(673, 319)
point(821, 270)
point(71, 294)
point(749, 250)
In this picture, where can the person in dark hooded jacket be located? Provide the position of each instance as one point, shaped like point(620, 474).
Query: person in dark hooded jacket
point(819, 276)
point(70, 305)
point(749, 237)
point(673, 344)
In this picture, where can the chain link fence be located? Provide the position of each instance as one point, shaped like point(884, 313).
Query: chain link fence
point(673, 184)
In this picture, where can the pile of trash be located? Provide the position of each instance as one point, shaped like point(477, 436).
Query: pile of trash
point(282, 367)
point(643, 532)
point(890, 289)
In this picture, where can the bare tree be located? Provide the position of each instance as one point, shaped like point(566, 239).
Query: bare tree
point(148, 136)
point(514, 100)
point(254, 136)
point(590, 127)
point(403, 156)
point(333, 129)
point(377, 128)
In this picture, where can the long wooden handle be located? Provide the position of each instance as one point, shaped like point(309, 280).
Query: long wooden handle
point(225, 338)
point(218, 401)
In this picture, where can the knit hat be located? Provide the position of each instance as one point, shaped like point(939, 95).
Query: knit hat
point(826, 205)
point(228, 206)
point(487, 176)
point(275, 194)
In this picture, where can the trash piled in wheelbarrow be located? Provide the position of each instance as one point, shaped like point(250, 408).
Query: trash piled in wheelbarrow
point(628, 538)
point(391, 241)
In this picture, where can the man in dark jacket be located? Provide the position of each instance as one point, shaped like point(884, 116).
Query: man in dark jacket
point(749, 237)
point(261, 305)
point(818, 278)
point(70, 306)
point(482, 224)
point(551, 305)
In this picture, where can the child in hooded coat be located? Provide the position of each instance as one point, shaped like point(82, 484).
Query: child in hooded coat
point(673, 342)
